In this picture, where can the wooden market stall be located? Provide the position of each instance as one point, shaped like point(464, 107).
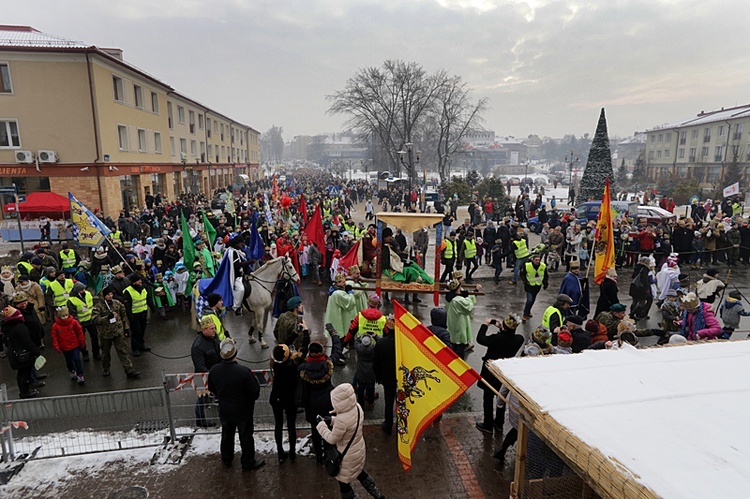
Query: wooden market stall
point(632, 423)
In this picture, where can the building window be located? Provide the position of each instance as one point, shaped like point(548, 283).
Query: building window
point(5, 86)
point(171, 146)
point(718, 153)
point(191, 117)
point(707, 135)
point(193, 148)
point(138, 92)
point(200, 121)
point(210, 150)
point(157, 142)
point(661, 137)
point(704, 152)
point(9, 137)
point(681, 152)
point(208, 129)
point(695, 135)
point(118, 89)
point(170, 116)
point(691, 155)
point(735, 153)
point(683, 138)
point(203, 151)
point(142, 146)
point(668, 137)
point(747, 152)
point(122, 137)
point(713, 173)
point(658, 154)
point(222, 134)
point(223, 151)
point(666, 153)
point(154, 102)
point(180, 114)
point(653, 138)
point(216, 126)
point(738, 131)
point(722, 130)
point(183, 146)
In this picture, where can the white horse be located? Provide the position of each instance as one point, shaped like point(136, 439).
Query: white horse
point(261, 284)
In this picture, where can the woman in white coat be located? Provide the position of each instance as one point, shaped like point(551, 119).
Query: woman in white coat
point(347, 411)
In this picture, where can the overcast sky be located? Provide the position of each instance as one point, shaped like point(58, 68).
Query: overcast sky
point(546, 66)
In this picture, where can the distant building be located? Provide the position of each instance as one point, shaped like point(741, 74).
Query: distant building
point(629, 149)
point(702, 147)
point(79, 118)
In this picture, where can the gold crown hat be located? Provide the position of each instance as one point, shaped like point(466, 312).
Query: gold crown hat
point(206, 321)
point(454, 285)
point(354, 268)
point(20, 297)
point(6, 268)
point(512, 321)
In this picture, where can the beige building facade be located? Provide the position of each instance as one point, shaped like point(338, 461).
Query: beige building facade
point(78, 118)
point(701, 148)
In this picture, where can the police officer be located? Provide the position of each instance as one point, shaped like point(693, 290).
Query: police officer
point(448, 257)
point(136, 305)
point(534, 275)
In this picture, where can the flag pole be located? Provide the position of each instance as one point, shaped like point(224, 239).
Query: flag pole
point(107, 238)
point(493, 390)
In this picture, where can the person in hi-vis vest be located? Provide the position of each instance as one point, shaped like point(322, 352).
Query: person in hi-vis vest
point(535, 277)
point(136, 306)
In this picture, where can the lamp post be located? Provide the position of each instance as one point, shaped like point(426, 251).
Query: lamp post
point(571, 161)
point(409, 153)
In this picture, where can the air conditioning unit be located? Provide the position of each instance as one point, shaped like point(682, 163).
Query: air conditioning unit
point(24, 157)
point(183, 156)
point(47, 156)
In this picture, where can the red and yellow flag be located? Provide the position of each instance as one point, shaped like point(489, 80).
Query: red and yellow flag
point(430, 378)
point(604, 243)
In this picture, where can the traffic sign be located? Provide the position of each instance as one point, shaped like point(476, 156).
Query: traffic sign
point(7, 189)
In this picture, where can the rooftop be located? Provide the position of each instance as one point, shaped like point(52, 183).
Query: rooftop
point(709, 117)
point(26, 36)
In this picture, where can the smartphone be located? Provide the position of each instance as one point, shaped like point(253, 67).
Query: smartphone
point(329, 328)
point(493, 322)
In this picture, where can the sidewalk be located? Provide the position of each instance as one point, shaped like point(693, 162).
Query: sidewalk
point(452, 460)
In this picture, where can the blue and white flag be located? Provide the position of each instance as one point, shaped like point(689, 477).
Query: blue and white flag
point(88, 230)
point(221, 283)
point(255, 248)
point(269, 218)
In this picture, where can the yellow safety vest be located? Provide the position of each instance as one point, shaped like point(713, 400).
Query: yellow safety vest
point(220, 333)
point(535, 276)
point(25, 265)
point(470, 248)
point(68, 258)
point(448, 254)
point(83, 308)
point(521, 251)
point(139, 299)
point(116, 235)
point(547, 317)
point(368, 326)
point(61, 293)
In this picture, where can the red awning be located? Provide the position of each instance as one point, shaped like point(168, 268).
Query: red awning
point(41, 202)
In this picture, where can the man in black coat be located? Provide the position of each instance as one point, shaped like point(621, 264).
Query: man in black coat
point(237, 389)
point(581, 337)
point(205, 353)
point(22, 352)
point(502, 345)
point(384, 365)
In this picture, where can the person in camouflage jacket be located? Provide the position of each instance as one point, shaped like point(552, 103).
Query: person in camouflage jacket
point(111, 321)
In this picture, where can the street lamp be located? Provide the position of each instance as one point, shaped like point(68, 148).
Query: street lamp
point(571, 161)
point(408, 152)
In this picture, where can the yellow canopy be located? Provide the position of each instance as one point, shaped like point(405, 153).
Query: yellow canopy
point(410, 222)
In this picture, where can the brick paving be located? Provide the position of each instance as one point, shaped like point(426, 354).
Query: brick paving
point(452, 460)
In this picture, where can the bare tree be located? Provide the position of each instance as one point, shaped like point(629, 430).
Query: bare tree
point(272, 144)
point(401, 104)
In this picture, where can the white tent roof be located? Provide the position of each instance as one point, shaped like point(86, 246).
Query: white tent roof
point(673, 418)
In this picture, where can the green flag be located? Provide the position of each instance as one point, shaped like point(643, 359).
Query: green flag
point(188, 248)
point(208, 228)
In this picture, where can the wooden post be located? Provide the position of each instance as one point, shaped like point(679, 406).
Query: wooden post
point(378, 256)
point(438, 242)
point(521, 448)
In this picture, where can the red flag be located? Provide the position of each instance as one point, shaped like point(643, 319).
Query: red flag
point(351, 257)
point(303, 208)
point(315, 233)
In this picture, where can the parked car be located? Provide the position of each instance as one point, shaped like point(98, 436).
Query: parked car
point(589, 211)
point(527, 181)
point(514, 180)
point(655, 215)
point(540, 181)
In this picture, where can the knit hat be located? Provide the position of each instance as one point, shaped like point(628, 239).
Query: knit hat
point(23, 278)
point(690, 301)
point(542, 335)
point(228, 349)
point(12, 314)
point(564, 339)
point(133, 278)
point(293, 302)
point(20, 297)
point(712, 272)
point(592, 326)
point(213, 299)
point(617, 307)
point(36, 261)
point(671, 292)
point(575, 319)
point(511, 322)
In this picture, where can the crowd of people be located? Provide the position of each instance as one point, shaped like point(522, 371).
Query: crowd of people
point(91, 301)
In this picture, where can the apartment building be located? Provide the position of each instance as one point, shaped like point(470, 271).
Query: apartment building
point(702, 147)
point(79, 118)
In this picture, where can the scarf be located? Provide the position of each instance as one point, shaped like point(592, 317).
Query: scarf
point(7, 285)
point(25, 287)
point(699, 323)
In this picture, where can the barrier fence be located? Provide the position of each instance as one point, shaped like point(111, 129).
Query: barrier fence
point(117, 420)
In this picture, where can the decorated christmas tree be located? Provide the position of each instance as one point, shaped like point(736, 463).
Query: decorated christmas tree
point(598, 166)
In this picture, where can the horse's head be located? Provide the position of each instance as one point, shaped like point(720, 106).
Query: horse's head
point(288, 270)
